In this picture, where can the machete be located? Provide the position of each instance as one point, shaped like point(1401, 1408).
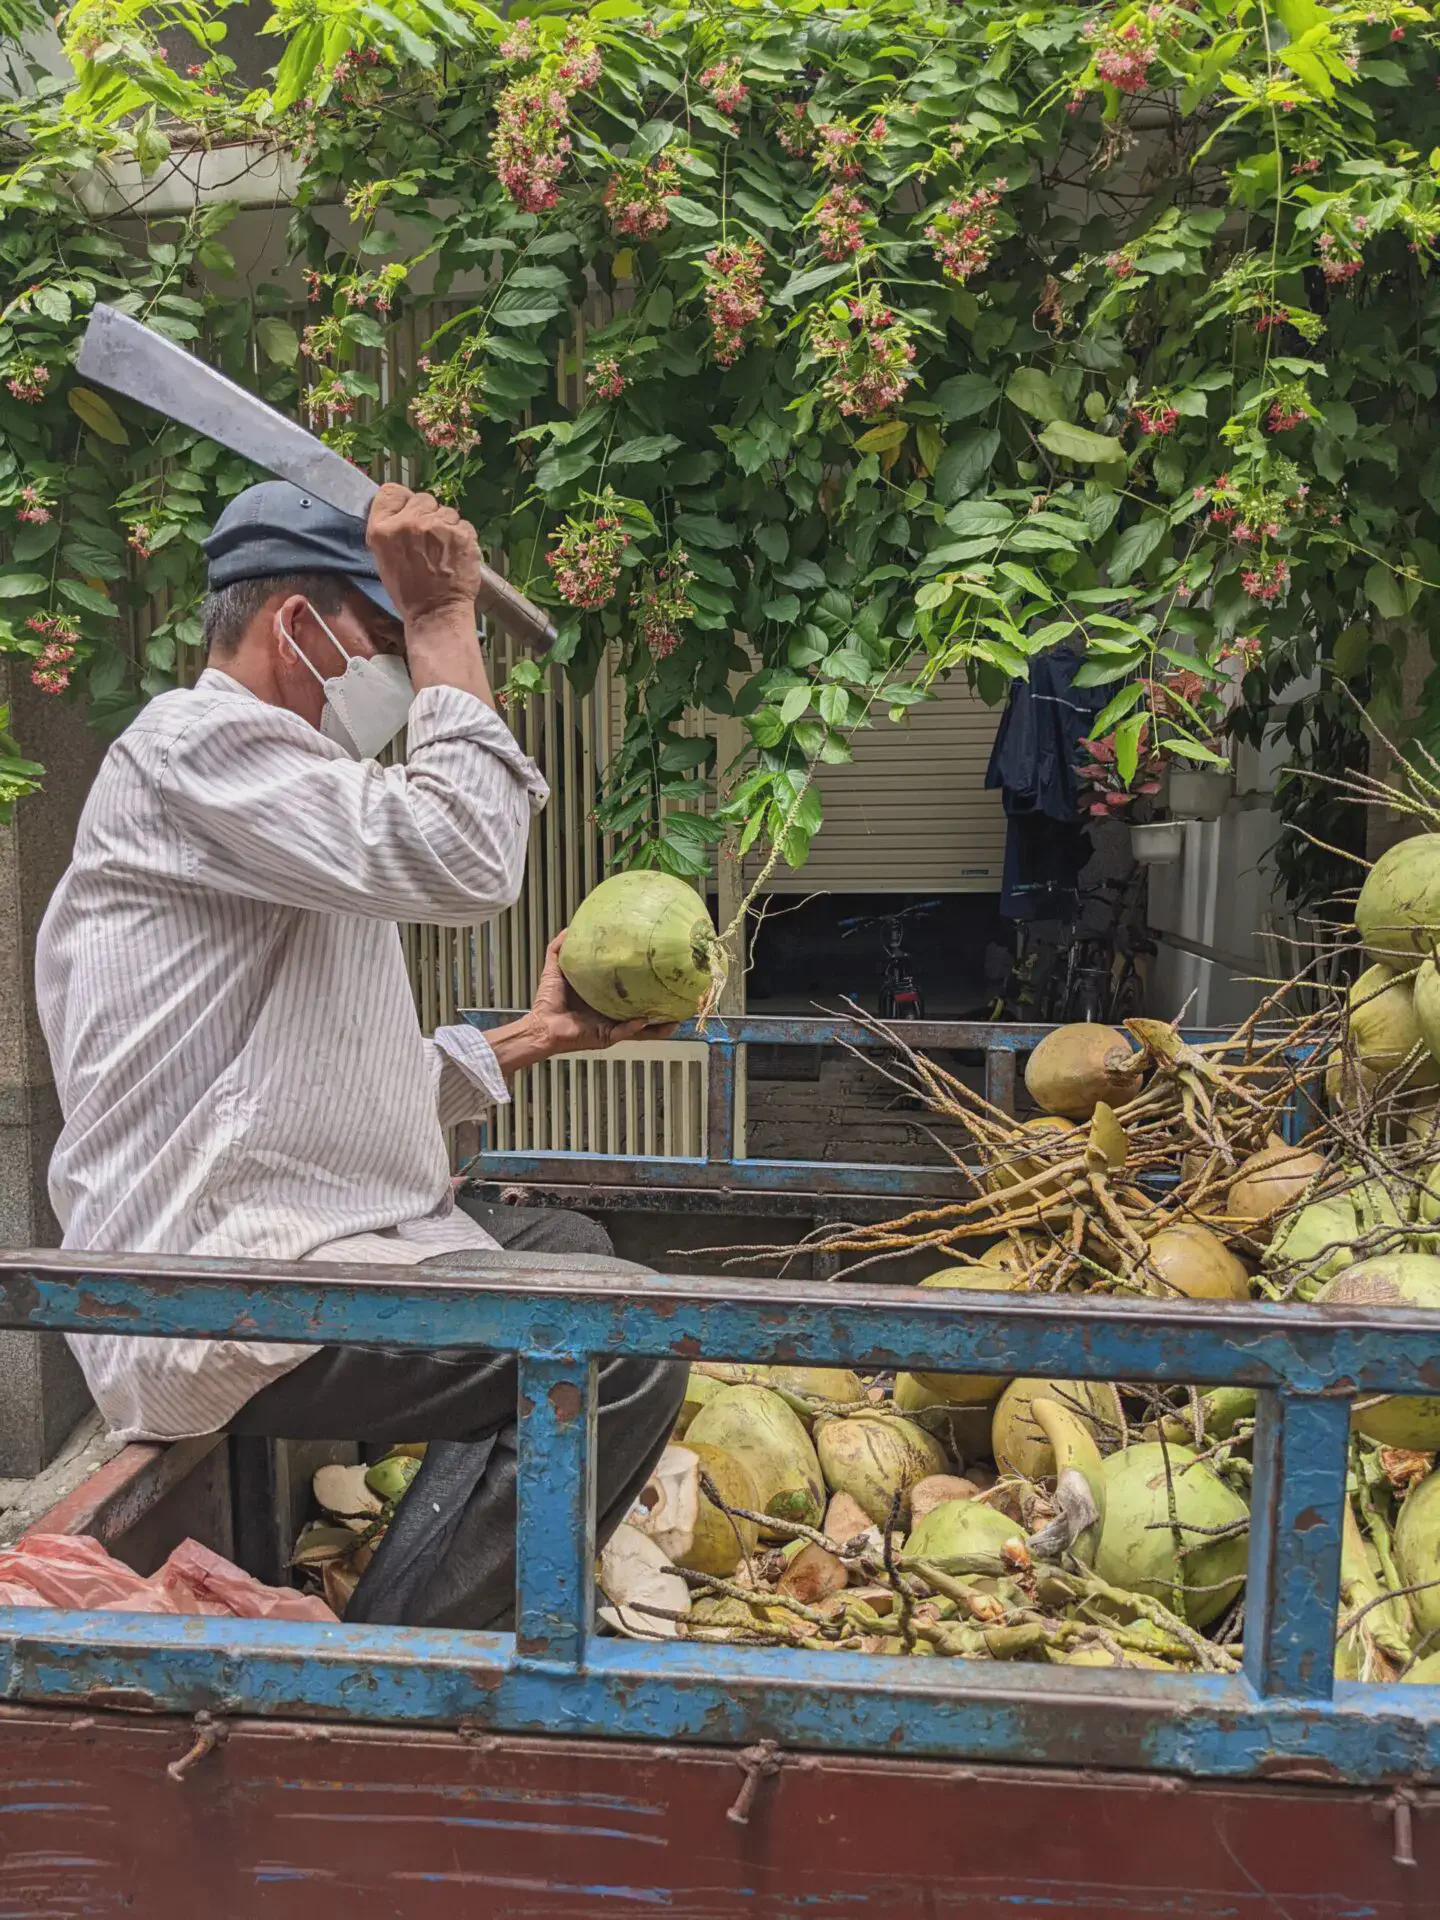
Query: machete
point(119, 353)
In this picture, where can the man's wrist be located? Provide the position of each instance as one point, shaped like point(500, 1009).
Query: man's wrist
point(444, 625)
point(524, 1043)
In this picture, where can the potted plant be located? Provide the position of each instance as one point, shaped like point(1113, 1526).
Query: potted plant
point(1108, 795)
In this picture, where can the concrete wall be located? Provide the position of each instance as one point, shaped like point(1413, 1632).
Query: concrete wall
point(42, 1394)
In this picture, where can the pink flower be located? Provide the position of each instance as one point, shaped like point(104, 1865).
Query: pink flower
point(605, 381)
point(838, 150)
point(871, 354)
point(725, 87)
point(637, 200)
point(1267, 580)
point(963, 234)
point(580, 62)
point(734, 297)
point(531, 144)
point(51, 672)
point(838, 218)
point(585, 559)
point(1156, 418)
point(33, 507)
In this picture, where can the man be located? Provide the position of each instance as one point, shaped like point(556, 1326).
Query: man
point(238, 1058)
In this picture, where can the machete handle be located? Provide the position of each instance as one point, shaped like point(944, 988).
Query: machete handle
point(498, 600)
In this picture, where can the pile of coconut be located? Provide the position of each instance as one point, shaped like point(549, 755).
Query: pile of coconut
point(1099, 1523)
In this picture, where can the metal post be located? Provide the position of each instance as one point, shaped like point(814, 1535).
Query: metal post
point(720, 1102)
point(1000, 1077)
point(555, 1508)
point(1301, 1449)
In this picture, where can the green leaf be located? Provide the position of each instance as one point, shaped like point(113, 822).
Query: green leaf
point(965, 463)
point(964, 395)
point(796, 702)
point(98, 414)
point(559, 469)
point(654, 135)
point(808, 281)
point(705, 530)
point(689, 212)
point(1034, 392)
point(784, 608)
point(522, 308)
point(880, 439)
point(53, 303)
point(1135, 546)
point(30, 542)
point(834, 705)
point(1078, 443)
point(646, 447)
point(1127, 746)
point(773, 541)
point(1385, 592)
point(1116, 710)
point(979, 516)
point(278, 340)
point(364, 329)
point(15, 585)
point(89, 598)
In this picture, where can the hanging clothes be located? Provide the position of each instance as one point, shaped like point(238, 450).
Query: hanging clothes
point(1034, 763)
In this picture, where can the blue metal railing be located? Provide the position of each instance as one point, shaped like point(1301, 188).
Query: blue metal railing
point(1283, 1715)
point(684, 1181)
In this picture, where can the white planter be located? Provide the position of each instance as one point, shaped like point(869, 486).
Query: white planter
point(1199, 793)
point(1159, 844)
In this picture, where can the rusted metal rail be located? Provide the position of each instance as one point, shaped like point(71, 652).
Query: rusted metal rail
point(1283, 1716)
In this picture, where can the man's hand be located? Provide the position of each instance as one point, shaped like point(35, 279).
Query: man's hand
point(429, 561)
point(428, 557)
point(559, 1021)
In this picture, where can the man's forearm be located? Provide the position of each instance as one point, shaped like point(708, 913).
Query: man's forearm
point(442, 649)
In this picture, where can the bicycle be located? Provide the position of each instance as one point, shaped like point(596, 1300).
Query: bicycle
point(900, 998)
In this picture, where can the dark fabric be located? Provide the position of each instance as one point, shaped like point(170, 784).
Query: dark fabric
point(449, 1558)
point(275, 529)
point(1034, 762)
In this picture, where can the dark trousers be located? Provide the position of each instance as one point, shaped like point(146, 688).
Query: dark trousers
point(448, 1559)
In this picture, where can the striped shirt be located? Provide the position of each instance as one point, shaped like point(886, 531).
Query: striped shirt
point(222, 989)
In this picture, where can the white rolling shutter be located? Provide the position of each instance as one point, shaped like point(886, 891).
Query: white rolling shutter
point(910, 813)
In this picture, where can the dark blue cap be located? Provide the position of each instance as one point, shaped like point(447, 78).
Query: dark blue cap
point(275, 529)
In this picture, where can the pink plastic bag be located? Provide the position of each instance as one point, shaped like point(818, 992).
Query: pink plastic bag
point(71, 1570)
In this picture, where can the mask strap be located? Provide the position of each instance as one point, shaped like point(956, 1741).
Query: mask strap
point(289, 639)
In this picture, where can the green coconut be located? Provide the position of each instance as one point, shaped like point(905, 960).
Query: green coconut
point(762, 1433)
point(836, 1384)
point(1417, 1551)
point(699, 1388)
point(1397, 1280)
point(1425, 996)
point(1384, 1026)
point(1320, 1238)
point(874, 1457)
point(973, 1389)
point(959, 1527)
point(390, 1478)
point(1017, 1440)
point(699, 1535)
point(641, 947)
point(1138, 1550)
point(1398, 912)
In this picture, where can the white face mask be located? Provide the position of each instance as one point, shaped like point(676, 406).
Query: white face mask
point(367, 704)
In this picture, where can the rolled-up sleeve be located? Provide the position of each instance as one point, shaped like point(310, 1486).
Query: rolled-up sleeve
point(468, 1080)
point(270, 809)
